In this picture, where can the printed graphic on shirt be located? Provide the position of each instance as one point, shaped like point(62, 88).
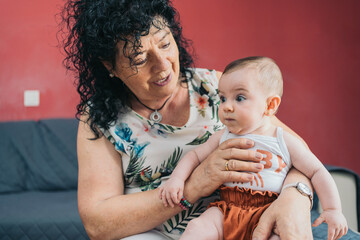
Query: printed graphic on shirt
point(276, 161)
point(271, 162)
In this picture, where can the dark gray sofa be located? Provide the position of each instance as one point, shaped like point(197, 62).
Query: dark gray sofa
point(38, 180)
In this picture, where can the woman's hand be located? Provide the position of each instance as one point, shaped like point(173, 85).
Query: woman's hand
point(288, 216)
point(212, 172)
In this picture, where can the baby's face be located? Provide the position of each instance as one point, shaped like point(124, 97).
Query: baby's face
point(243, 101)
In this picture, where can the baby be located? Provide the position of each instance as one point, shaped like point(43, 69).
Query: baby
point(250, 91)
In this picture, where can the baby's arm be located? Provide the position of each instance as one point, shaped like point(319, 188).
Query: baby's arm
point(306, 162)
point(172, 190)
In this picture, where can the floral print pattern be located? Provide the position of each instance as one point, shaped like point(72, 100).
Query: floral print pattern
point(206, 96)
point(125, 143)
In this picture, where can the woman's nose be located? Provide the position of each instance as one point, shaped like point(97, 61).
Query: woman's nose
point(160, 62)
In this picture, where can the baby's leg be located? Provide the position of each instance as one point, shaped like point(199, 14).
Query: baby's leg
point(208, 226)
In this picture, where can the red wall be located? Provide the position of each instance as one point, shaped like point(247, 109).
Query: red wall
point(315, 43)
point(30, 60)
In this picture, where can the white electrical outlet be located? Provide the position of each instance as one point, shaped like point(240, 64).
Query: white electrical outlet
point(31, 98)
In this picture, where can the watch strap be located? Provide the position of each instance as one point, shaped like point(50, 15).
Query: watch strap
point(295, 185)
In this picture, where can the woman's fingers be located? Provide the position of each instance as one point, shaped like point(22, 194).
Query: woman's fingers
point(242, 154)
point(232, 176)
point(239, 158)
point(213, 171)
point(240, 143)
point(236, 165)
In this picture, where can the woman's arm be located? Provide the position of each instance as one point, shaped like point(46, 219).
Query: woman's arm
point(109, 214)
point(104, 209)
point(289, 215)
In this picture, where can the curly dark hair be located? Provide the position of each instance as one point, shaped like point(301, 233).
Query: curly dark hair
point(89, 32)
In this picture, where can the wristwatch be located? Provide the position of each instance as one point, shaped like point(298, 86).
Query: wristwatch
point(303, 189)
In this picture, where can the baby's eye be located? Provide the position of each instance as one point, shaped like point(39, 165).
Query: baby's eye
point(240, 98)
point(222, 99)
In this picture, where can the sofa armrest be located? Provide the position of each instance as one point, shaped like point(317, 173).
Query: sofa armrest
point(347, 183)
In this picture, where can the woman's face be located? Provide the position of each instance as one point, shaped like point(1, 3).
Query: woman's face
point(155, 73)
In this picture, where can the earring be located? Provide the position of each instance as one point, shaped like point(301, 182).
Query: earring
point(111, 75)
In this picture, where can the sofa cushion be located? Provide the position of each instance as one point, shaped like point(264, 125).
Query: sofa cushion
point(38, 155)
point(40, 215)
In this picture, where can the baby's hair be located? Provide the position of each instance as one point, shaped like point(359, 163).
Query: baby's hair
point(269, 73)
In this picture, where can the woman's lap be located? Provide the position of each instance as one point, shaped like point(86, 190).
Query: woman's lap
point(318, 232)
point(150, 235)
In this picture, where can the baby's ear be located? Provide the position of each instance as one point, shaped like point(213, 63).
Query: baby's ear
point(273, 103)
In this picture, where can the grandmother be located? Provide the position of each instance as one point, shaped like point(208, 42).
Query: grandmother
point(142, 107)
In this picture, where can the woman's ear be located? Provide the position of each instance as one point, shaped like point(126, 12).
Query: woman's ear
point(273, 103)
point(108, 66)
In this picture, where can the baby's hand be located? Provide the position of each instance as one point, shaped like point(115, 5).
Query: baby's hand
point(172, 191)
point(337, 225)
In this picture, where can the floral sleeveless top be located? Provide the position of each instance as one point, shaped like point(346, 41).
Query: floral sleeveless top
point(150, 151)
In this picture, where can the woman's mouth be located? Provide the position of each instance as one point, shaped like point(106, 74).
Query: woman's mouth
point(164, 81)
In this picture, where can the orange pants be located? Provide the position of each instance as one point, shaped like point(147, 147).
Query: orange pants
point(242, 209)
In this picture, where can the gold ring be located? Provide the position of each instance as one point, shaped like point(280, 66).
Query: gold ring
point(227, 165)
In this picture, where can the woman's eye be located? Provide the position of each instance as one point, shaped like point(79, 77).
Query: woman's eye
point(222, 99)
point(240, 98)
point(166, 45)
point(139, 62)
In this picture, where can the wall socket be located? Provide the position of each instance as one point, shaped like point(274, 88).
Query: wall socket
point(31, 98)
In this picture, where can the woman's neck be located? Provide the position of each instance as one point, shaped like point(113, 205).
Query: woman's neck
point(175, 111)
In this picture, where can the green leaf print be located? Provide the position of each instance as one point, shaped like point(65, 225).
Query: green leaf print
point(147, 179)
point(200, 140)
point(150, 185)
point(163, 128)
point(168, 128)
point(202, 112)
point(167, 167)
point(134, 168)
point(215, 113)
point(151, 179)
point(181, 220)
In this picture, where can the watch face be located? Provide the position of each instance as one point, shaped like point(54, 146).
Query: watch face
point(303, 188)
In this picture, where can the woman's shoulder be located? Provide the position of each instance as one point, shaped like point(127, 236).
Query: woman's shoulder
point(204, 73)
point(203, 76)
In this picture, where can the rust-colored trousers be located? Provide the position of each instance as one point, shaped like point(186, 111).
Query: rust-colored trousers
point(242, 209)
